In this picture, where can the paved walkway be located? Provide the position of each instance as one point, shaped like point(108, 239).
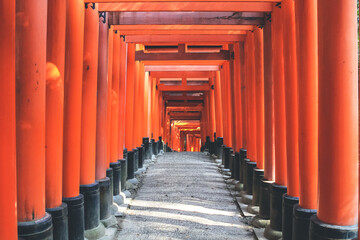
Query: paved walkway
point(183, 196)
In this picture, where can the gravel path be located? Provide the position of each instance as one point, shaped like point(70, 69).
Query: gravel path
point(183, 196)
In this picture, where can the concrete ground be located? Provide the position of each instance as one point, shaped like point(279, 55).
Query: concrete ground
point(183, 196)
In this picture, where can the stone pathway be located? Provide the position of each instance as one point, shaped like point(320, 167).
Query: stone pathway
point(183, 196)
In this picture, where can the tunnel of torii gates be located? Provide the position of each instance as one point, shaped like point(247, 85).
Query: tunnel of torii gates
point(89, 90)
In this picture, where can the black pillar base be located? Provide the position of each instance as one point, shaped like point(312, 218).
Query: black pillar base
point(244, 172)
point(110, 175)
point(250, 166)
point(41, 229)
point(301, 222)
point(130, 165)
point(59, 217)
point(141, 156)
point(276, 194)
point(151, 150)
point(146, 148)
point(264, 199)
point(105, 198)
point(155, 147)
point(258, 174)
point(160, 144)
point(219, 144)
point(231, 163)
point(287, 218)
point(91, 205)
point(237, 166)
point(115, 166)
point(125, 153)
point(76, 217)
point(136, 159)
point(242, 157)
point(323, 231)
point(123, 174)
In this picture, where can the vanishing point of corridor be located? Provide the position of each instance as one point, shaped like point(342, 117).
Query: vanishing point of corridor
point(184, 196)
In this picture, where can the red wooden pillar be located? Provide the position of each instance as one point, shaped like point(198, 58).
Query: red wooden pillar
point(207, 115)
point(139, 110)
point(259, 93)
point(250, 71)
point(237, 98)
point(55, 57)
point(73, 90)
point(102, 117)
point(229, 102)
point(258, 172)
point(30, 113)
point(129, 114)
point(137, 103)
point(54, 135)
point(243, 94)
point(338, 122)
point(279, 99)
point(8, 211)
point(122, 97)
point(202, 126)
point(114, 130)
point(292, 126)
point(232, 99)
point(89, 91)
point(102, 101)
point(109, 94)
point(269, 158)
point(307, 62)
point(279, 187)
point(88, 185)
point(218, 106)
point(146, 112)
point(224, 103)
point(212, 109)
point(269, 163)
point(72, 115)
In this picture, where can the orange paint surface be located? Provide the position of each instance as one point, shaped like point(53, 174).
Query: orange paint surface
point(114, 130)
point(129, 124)
point(55, 57)
point(291, 99)
point(30, 108)
point(259, 93)
point(54, 136)
point(89, 96)
point(122, 98)
point(73, 96)
point(269, 163)
point(307, 58)
point(338, 113)
point(8, 211)
point(279, 97)
point(102, 136)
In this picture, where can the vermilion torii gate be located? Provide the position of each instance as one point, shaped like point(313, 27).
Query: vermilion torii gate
point(85, 84)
